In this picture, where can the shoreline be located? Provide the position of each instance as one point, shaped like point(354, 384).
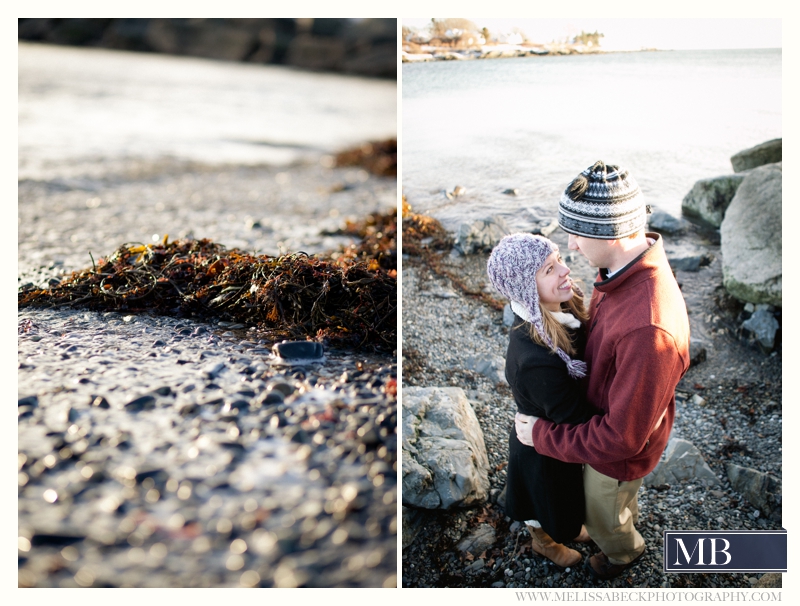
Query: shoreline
point(508, 52)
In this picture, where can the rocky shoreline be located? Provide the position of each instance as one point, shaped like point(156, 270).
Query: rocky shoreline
point(728, 414)
point(501, 51)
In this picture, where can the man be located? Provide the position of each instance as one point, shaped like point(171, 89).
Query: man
point(637, 351)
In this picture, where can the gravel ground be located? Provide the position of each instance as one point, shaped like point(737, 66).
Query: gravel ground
point(167, 452)
point(738, 420)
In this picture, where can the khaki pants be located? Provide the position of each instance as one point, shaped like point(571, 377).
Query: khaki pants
point(611, 512)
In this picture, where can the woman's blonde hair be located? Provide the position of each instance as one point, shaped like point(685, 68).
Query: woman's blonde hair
point(557, 332)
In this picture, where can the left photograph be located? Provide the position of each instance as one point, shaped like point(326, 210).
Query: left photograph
point(207, 303)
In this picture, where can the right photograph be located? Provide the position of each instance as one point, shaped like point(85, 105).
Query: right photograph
point(592, 303)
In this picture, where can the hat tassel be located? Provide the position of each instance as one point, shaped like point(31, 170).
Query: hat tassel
point(577, 368)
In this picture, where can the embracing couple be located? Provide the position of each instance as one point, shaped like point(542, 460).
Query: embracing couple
point(595, 391)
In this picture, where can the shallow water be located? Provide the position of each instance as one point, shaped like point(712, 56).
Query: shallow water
point(534, 123)
point(79, 105)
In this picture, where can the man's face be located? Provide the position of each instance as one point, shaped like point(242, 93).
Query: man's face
point(599, 253)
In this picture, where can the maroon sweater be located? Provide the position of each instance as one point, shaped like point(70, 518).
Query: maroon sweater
point(637, 351)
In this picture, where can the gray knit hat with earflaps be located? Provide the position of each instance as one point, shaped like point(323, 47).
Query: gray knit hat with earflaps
point(512, 269)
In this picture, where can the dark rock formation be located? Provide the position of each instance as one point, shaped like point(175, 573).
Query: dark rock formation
point(357, 46)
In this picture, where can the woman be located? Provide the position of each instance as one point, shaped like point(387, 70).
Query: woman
point(543, 370)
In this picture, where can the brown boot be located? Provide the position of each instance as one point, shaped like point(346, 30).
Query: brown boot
point(559, 554)
point(583, 537)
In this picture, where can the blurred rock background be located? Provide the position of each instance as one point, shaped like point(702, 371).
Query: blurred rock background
point(366, 47)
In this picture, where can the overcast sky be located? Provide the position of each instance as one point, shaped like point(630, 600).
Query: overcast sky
point(633, 34)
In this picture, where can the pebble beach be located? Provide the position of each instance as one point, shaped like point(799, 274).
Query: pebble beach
point(160, 451)
point(728, 407)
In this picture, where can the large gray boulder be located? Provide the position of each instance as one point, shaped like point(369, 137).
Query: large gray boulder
point(762, 490)
point(681, 462)
point(751, 243)
point(444, 455)
point(765, 153)
point(708, 199)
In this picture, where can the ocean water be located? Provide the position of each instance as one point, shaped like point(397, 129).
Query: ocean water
point(81, 106)
point(671, 117)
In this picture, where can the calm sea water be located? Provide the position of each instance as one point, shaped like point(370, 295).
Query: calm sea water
point(671, 117)
point(82, 106)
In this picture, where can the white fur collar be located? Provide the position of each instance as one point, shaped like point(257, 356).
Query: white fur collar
point(564, 318)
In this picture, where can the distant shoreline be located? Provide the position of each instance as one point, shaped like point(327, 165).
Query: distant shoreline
point(425, 54)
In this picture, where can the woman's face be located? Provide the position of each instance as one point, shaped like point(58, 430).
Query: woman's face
point(553, 282)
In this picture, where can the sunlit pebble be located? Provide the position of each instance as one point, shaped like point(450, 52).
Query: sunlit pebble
point(23, 544)
point(184, 492)
point(50, 495)
point(176, 522)
point(148, 483)
point(238, 546)
point(158, 550)
point(172, 485)
point(355, 563)
point(250, 578)
point(50, 461)
point(224, 526)
point(391, 581)
point(250, 505)
point(21, 460)
point(84, 577)
point(109, 504)
point(339, 536)
point(233, 432)
point(155, 238)
point(193, 452)
point(263, 541)
point(152, 496)
point(87, 472)
point(26, 578)
point(389, 498)
point(65, 453)
point(136, 555)
point(314, 475)
point(201, 545)
point(378, 480)
point(22, 478)
point(127, 525)
point(69, 553)
point(235, 562)
point(288, 520)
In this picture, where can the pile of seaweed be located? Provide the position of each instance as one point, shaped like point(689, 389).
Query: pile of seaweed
point(378, 157)
point(424, 238)
point(346, 299)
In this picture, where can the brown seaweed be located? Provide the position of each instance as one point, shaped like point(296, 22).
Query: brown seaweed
point(427, 240)
point(348, 298)
point(378, 157)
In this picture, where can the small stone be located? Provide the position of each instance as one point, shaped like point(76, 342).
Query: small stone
point(146, 402)
point(31, 401)
point(298, 350)
point(283, 388)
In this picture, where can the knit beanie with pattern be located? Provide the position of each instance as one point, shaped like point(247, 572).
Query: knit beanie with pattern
point(512, 268)
point(603, 202)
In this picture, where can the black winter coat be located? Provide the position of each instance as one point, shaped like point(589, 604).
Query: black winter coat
point(540, 487)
